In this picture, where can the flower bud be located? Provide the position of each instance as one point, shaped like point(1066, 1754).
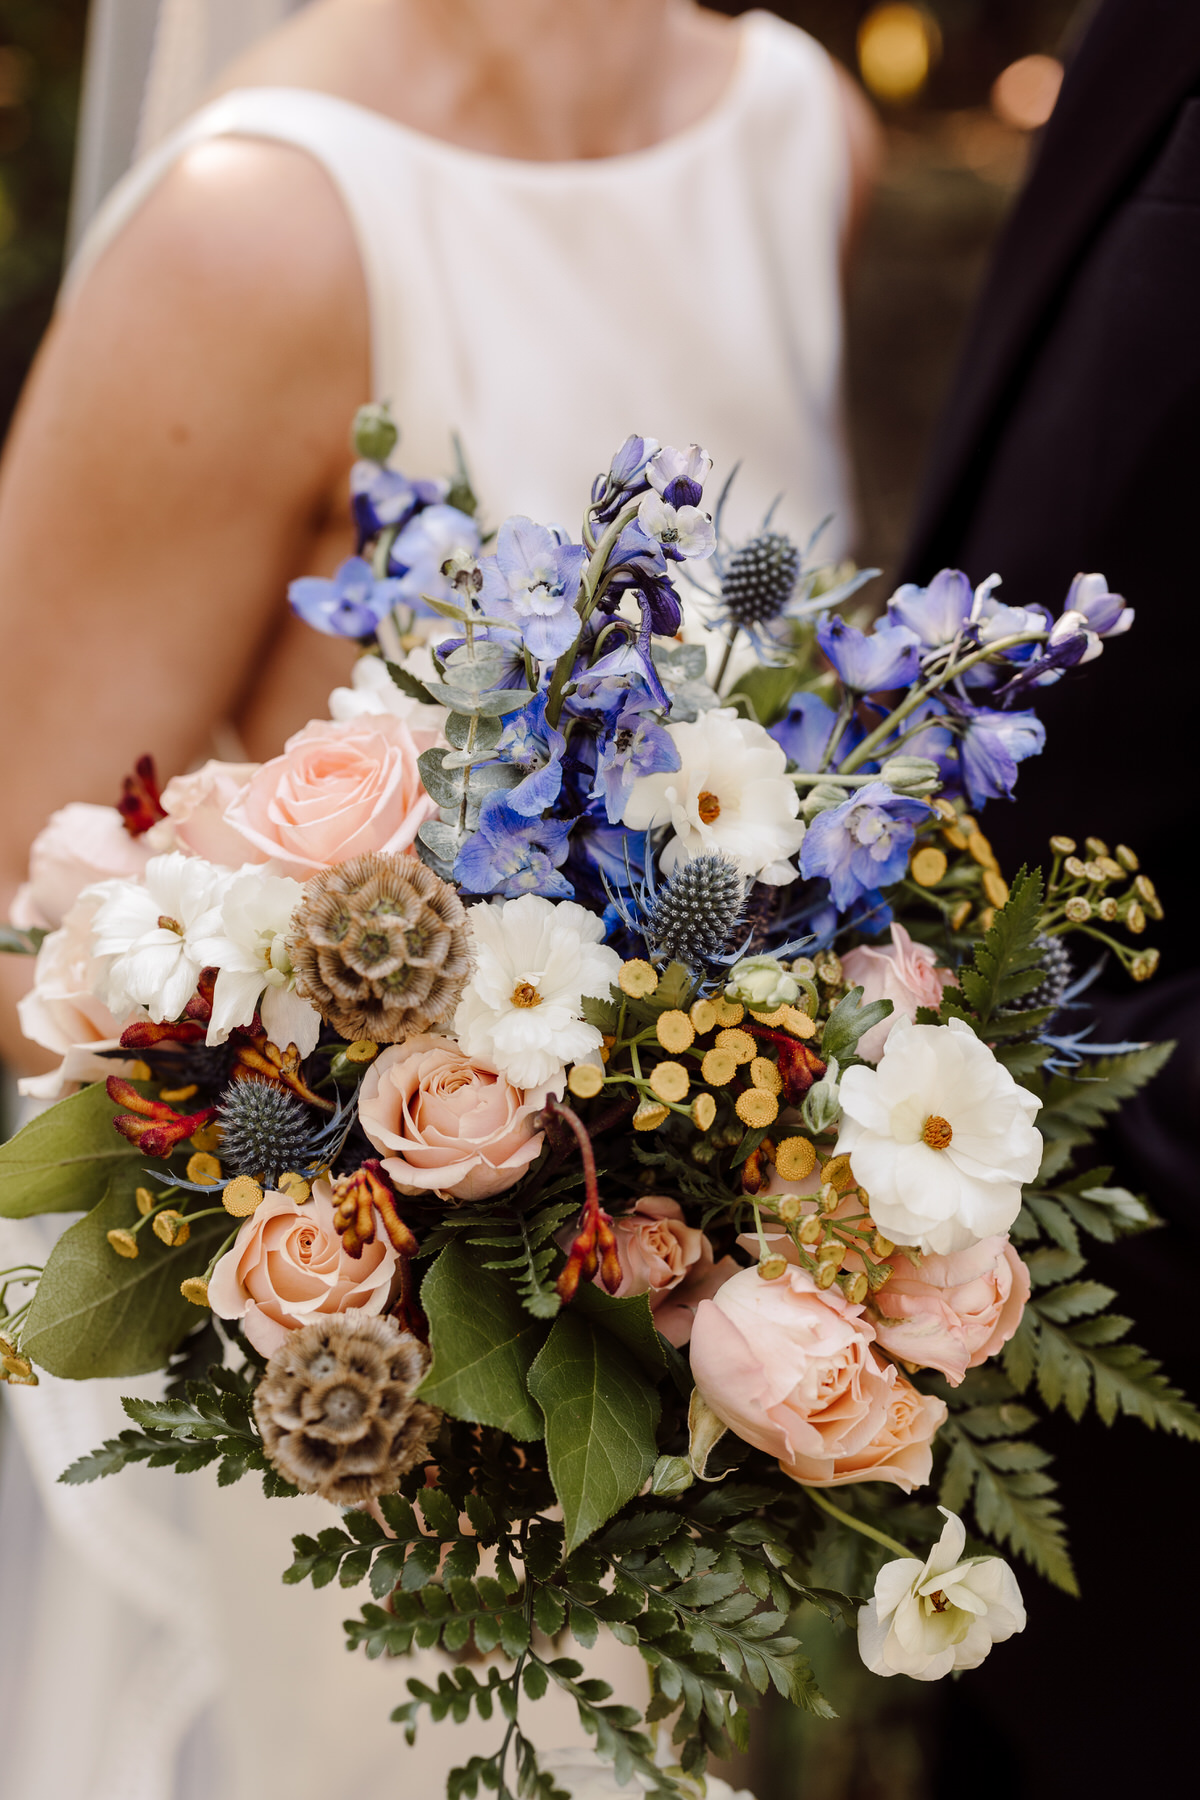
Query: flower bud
point(1078, 910)
point(1144, 964)
point(789, 1208)
point(1145, 888)
point(672, 1475)
point(829, 969)
point(171, 1228)
point(1107, 909)
point(1075, 867)
point(811, 1230)
point(375, 434)
point(822, 1106)
point(1095, 846)
point(1062, 846)
point(1135, 919)
point(826, 1275)
point(833, 1253)
point(124, 1243)
point(761, 982)
point(820, 798)
point(855, 1288)
point(1127, 858)
point(882, 1246)
point(195, 1289)
point(915, 776)
point(1093, 871)
point(770, 1268)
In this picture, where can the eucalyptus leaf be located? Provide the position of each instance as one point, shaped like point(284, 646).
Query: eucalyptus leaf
point(504, 700)
point(601, 1413)
point(442, 785)
point(61, 1161)
point(441, 838)
point(483, 1343)
point(487, 732)
point(95, 1313)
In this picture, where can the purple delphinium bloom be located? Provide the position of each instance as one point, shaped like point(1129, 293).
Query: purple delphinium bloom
point(679, 475)
point(626, 477)
point(508, 854)
point(630, 660)
point(427, 542)
point(863, 844)
point(1105, 614)
point(684, 532)
point(990, 748)
point(532, 582)
point(530, 744)
point(936, 613)
point(1067, 644)
point(381, 498)
point(805, 730)
point(636, 744)
point(871, 662)
point(350, 606)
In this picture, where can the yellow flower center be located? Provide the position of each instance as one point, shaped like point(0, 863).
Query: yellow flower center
point(526, 995)
point(938, 1601)
point(937, 1133)
point(167, 923)
point(708, 806)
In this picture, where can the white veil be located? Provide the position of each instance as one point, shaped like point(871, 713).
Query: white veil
point(149, 64)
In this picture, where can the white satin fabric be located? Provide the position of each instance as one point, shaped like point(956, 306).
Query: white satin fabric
point(541, 311)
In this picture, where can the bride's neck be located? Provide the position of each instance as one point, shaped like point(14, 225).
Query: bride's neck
point(548, 80)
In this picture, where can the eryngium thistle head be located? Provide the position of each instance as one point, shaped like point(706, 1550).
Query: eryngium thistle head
point(760, 578)
point(264, 1130)
point(336, 1408)
point(693, 915)
point(1056, 960)
point(380, 947)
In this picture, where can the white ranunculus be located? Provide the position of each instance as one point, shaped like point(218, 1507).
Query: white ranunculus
point(372, 690)
point(945, 1613)
point(731, 793)
point(149, 935)
point(586, 1776)
point(522, 1010)
point(249, 951)
point(940, 1136)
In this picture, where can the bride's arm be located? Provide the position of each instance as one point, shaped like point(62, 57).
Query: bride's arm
point(178, 456)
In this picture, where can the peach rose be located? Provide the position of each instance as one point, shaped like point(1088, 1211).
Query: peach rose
point(447, 1124)
point(196, 805)
point(906, 974)
point(287, 1267)
point(663, 1256)
point(340, 788)
point(791, 1368)
point(78, 845)
point(954, 1311)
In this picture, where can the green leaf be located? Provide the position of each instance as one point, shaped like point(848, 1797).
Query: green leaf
point(1014, 1505)
point(629, 1320)
point(16, 941)
point(483, 1344)
point(1007, 963)
point(61, 1161)
point(408, 684)
point(95, 1313)
point(1110, 1081)
point(848, 1022)
point(600, 1418)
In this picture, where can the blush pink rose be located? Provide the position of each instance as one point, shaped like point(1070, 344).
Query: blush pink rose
point(906, 974)
point(340, 789)
point(79, 845)
point(447, 1124)
point(196, 805)
point(954, 1311)
point(287, 1268)
point(791, 1368)
point(671, 1261)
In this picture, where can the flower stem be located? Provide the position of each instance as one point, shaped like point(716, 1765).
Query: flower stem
point(588, 585)
point(730, 641)
point(835, 1512)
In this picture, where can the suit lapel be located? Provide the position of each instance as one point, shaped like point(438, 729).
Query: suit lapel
point(1134, 64)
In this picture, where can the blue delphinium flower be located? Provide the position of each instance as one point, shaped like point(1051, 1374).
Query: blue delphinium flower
point(602, 687)
point(991, 746)
point(805, 730)
point(509, 854)
point(427, 542)
point(863, 844)
point(1105, 613)
point(532, 582)
point(530, 744)
point(350, 606)
point(871, 662)
point(635, 744)
point(626, 477)
point(1067, 644)
point(937, 613)
point(382, 498)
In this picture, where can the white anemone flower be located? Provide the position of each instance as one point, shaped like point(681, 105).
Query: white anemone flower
point(940, 1136)
point(522, 1011)
point(254, 970)
point(731, 793)
point(945, 1613)
point(372, 690)
point(151, 934)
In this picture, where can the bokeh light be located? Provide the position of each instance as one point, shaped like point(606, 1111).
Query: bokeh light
point(1024, 94)
point(897, 47)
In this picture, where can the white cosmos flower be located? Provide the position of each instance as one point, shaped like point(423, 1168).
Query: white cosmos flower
point(941, 1137)
point(522, 1010)
point(249, 951)
point(945, 1613)
point(149, 934)
point(372, 690)
point(730, 793)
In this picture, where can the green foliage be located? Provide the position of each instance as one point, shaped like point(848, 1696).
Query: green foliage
point(532, 1253)
point(848, 1022)
point(62, 1160)
point(94, 1312)
point(211, 1422)
point(16, 941)
point(601, 1413)
point(1007, 963)
point(483, 1343)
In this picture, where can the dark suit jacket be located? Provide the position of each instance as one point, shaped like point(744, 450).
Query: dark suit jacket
point(1071, 441)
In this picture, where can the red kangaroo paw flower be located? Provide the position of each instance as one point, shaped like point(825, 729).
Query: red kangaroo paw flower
point(140, 805)
point(152, 1125)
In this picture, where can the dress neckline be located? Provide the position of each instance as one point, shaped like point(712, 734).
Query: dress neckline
point(728, 104)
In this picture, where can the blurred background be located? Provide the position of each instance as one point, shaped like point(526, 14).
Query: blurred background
point(962, 87)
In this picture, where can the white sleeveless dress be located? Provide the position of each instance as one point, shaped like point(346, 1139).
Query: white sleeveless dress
point(541, 311)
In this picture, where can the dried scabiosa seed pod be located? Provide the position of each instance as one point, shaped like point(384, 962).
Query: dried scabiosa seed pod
point(380, 947)
point(336, 1408)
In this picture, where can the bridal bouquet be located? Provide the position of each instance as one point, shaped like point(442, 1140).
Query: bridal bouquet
point(593, 1098)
